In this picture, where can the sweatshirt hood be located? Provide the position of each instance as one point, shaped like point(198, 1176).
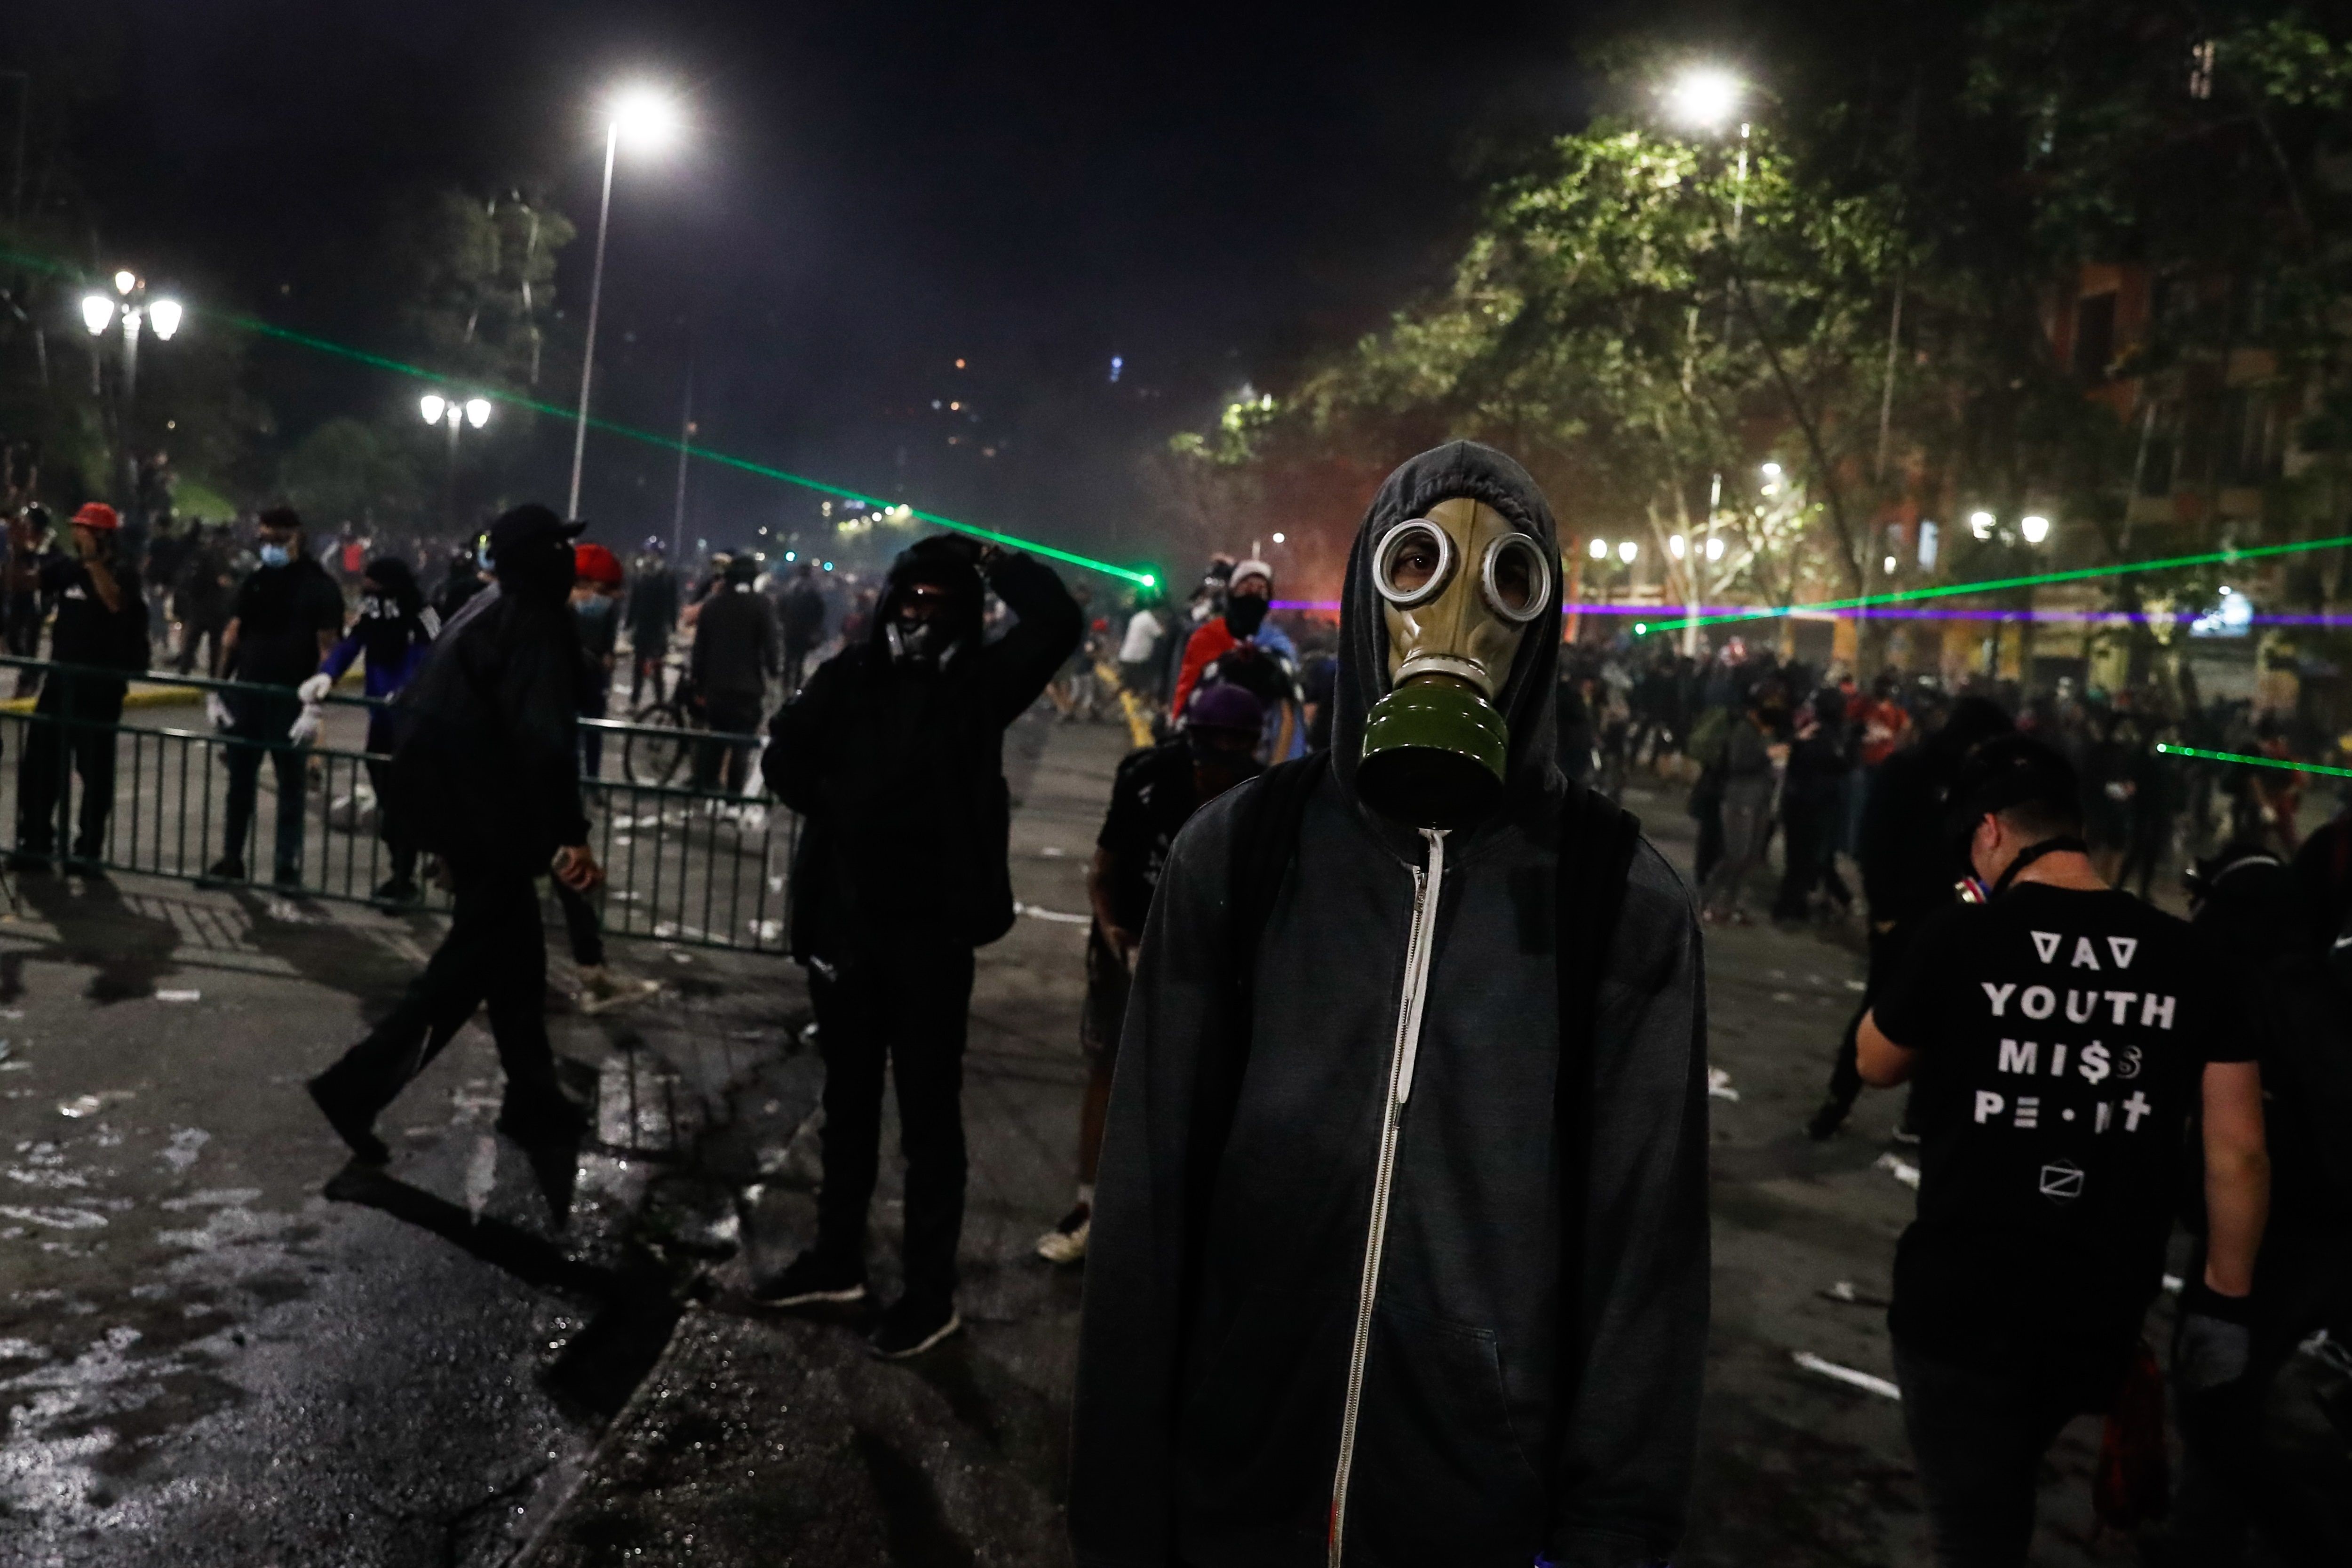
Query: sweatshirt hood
point(1467, 471)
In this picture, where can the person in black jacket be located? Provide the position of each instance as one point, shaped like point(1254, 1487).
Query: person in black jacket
point(102, 622)
point(486, 773)
point(287, 617)
point(802, 611)
point(652, 617)
point(1909, 868)
point(734, 655)
point(893, 754)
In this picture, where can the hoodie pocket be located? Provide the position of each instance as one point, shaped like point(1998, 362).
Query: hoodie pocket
point(1440, 1476)
point(1261, 1426)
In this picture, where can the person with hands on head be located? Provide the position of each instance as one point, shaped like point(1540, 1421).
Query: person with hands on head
point(893, 755)
point(2063, 1034)
point(103, 627)
point(1154, 793)
point(486, 773)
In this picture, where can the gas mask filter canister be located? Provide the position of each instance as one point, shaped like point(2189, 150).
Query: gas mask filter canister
point(1459, 587)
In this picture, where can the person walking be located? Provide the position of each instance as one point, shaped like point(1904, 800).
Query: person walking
point(394, 630)
point(652, 617)
point(1753, 754)
point(1400, 1248)
point(893, 754)
point(486, 773)
point(802, 613)
point(2063, 1034)
point(288, 616)
point(103, 627)
point(1155, 792)
point(733, 660)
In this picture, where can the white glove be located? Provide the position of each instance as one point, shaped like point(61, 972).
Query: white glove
point(314, 690)
point(217, 711)
point(305, 727)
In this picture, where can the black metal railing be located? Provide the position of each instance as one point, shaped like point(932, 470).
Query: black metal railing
point(685, 863)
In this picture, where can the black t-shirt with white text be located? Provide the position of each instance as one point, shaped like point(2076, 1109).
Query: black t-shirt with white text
point(1151, 799)
point(2062, 1037)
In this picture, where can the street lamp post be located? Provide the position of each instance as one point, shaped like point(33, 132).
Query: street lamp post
point(1702, 98)
point(643, 115)
point(137, 311)
point(456, 415)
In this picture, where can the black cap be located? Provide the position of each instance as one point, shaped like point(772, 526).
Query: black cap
point(2011, 771)
point(530, 524)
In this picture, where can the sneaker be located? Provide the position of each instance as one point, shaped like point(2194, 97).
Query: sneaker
point(911, 1327)
point(222, 870)
point(810, 1280)
point(398, 892)
point(353, 1126)
point(1066, 1242)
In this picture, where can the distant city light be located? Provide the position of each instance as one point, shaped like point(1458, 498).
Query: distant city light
point(1771, 470)
point(1117, 365)
point(1888, 566)
point(1277, 539)
point(958, 367)
point(2035, 528)
point(792, 555)
point(1627, 551)
point(1981, 524)
point(1678, 546)
point(1927, 536)
point(828, 566)
point(1715, 550)
point(1600, 550)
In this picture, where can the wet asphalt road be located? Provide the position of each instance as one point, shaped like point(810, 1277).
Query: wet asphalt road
point(203, 1360)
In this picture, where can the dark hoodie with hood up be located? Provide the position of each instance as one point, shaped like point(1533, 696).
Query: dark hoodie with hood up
point(897, 769)
point(1216, 1441)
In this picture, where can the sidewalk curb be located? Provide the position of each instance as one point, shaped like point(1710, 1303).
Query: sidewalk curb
point(591, 1463)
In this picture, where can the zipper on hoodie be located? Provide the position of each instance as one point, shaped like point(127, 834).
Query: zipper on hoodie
point(1402, 1052)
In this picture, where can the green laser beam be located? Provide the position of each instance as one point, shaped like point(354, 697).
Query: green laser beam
point(254, 324)
point(1994, 585)
point(2169, 750)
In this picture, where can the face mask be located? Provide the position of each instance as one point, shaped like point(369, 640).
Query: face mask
point(915, 642)
point(275, 555)
point(1245, 614)
point(1459, 589)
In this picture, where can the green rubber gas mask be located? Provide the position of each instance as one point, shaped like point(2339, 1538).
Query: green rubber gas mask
point(1459, 587)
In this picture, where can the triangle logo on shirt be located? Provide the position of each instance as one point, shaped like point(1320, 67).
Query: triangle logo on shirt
point(2123, 947)
point(2045, 942)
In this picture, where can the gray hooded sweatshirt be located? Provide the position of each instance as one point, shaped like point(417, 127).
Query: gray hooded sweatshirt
point(1213, 1412)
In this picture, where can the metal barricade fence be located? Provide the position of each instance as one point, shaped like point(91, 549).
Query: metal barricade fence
point(682, 864)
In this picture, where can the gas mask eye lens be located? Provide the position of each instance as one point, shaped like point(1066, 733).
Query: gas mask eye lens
point(1413, 563)
point(1515, 579)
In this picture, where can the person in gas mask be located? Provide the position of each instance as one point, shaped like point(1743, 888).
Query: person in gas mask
point(893, 754)
point(1154, 793)
point(103, 627)
point(486, 773)
point(1407, 1264)
point(395, 629)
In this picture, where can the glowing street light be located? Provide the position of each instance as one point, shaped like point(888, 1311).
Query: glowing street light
point(1600, 550)
point(1627, 551)
point(2035, 528)
point(649, 118)
point(1678, 546)
point(1981, 524)
point(432, 405)
point(1703, 98)
point(125, 281)
point(477, 412)
point(97, 313)
point(163, 315)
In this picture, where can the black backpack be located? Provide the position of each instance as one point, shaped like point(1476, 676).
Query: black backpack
point(1597, 842)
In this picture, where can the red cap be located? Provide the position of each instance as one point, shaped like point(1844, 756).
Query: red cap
point(97, 514)
point(594, 563)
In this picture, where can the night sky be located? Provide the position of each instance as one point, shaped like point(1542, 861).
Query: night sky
point(868, 192)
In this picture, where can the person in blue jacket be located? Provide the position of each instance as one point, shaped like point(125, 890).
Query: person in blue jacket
point(395, 628)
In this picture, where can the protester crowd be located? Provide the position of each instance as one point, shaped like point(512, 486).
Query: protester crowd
point(1357, 1276)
